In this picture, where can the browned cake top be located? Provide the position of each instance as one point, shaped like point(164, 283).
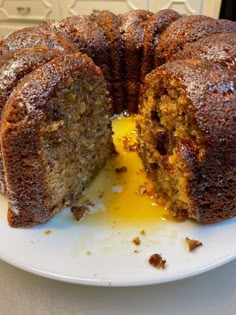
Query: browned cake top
point(34, 97)
point(219, 48)
point(90, 39)
point(132, 27)
point(155, 26)
point(17, 64)
point(186, 30)
point(85, 34)
point(38, 35)
point(109, 22)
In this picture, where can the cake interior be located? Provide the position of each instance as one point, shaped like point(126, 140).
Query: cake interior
point(76, 141)
point(170, 143)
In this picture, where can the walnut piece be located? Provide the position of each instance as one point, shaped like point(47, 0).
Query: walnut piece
point(129, 146)
point(79, 212)
point(137, 241)
point(157, 261)
point(142, 190)
point(192, 244)
point(142, 232)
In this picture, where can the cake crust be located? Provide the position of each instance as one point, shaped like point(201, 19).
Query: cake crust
point(132, 28)
point(188, 29)
point(217, 48)
point(154, 28)
point(39, 35)
point(35, 141)
point(13, 67)
point(109, 22)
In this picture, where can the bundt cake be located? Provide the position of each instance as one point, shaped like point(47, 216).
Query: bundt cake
point(56, 106)
point(217, 48)
point(13, 67)
point(187, 137)
point(186, 30)
point(56, 135)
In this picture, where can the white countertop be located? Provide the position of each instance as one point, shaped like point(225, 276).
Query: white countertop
point(213, 292)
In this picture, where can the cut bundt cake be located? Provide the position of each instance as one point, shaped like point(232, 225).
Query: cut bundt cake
point(132, 28)
point(187, 138)
point(188, 29)
point(154, 28)
point(13, 67)
point(56, 135)
point(56, 105)
point(217, 48)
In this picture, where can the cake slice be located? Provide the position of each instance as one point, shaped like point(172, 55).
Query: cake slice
point(56, 135)
point(13, 67)
point(187, 138)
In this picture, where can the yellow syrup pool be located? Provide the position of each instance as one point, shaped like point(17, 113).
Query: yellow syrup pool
point(121, 193)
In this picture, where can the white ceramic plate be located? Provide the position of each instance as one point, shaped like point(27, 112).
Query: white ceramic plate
point(99, 254)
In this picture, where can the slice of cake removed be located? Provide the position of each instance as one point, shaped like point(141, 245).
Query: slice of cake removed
point(187, 138)
point(56, 135)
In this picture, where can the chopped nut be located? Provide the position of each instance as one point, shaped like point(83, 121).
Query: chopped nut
point(142, 232)
point(192, 244)
point(88, 253)
point(136, 251)
point(48, 232)
point(79, 212)
point(121, 169)
point(157, 261)
point(142, 190)
point(128, 146)
point(137, 241)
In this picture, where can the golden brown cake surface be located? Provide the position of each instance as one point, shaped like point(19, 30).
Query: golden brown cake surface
point(186, 30)
point(217, 48)
point(13, 67)
point(39, 35)
point(132, 28)
point(153, 30)
point(109, 22)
